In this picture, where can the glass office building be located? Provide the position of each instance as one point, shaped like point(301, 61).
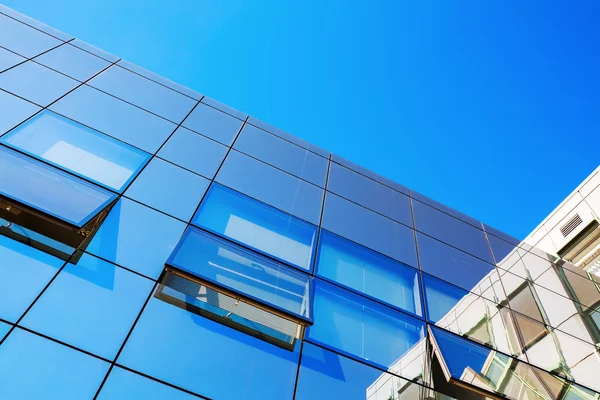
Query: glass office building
point(157, 244)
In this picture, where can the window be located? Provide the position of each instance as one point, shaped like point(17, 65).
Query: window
point(239, 288)
point(78, 149)
point(257, 225)
point(39, 201)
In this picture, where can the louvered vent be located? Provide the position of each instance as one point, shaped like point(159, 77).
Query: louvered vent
point(571, 225)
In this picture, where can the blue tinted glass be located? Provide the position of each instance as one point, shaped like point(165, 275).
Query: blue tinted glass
point(81, 150)
point(325, 375)
point(203, 356)
point(4, 328)
point(194, 152)
point(50, 190)
point(369, 229)
point(460, 355)
point(36, 83)
point(32, 367)
point(94, 50)
point(213, 123)
point(364, 270)
point(137, 237)
point(257, 225)
point(124, 385)
point(224, 107)
point(91, 305)
point(14, 111)
point(446, 209)
point(24, 272)
point(272, 186)
point(243, 271)
point(371, 194)
point(282, 154)
point(355, 325)
point(36, 24)
point(500, 249)
point(115, 118)
point(72, 61)
point(144, 93)
point(8, 59)
point(370, 174)
point(440, 297)
point(450, 264)
point(168, 188)
point(451, 230)
point(23, 39)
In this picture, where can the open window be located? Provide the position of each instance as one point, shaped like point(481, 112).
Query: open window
point(47, 208)
point(237, 287)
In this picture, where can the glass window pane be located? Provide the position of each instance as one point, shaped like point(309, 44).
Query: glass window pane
point(367, 192)
point(36, 83)
point(144, 93)
point(502, 251)
point(9, 59)
point(168, 188)
point(213, 123)
point(282, 154)
point(94, 50)
point(32, 367)
point(4, 328)
point(257, 225)
point(452, 265)
point(272, 186)
point(357, 326)
point(325, 375)
point(370, 174)
point(200, 355)
point(370, 229)
point(72, 61)
point(445, 209)
point(368, 272)
point(36, 24)
point(91, 305)
point(137, 237)
point(24, 272)
point(441, 297)
point(50, 190)
point(81, 150)
point(23, 39)
point(224, 107)
point(243, 271)
point(451, 230)
point(115, 118)
point(14, 111)
point(194, 152)
point(125, 385)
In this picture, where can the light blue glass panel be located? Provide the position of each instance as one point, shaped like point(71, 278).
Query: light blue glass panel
point(371, 194)
point(206, 357)
point(32, 367)
point(194, 152)
point(282, 154)
point(115, 118)
point(23, 39)
point(50, 190)
point(36, 24)
point(94, 50)
point(144, 93)
point(168, 188)
point(36, 83)
point(224, 107)
point(355, 325)
point(76, 148)
point(72, 61)
point(137, 237)
point(243, 271)
point(370, 229)
point(257, 225)
point(8, 59)
point(91, 305)
point(14, 111)
point(444, 208)
point(125, 385)
point(368, 173)
point(272, 186)
point(440, 297)
point(368, 272)
point(451, 230)
point(213, 123)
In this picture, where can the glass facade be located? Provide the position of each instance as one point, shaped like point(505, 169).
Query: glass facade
point(158, 244)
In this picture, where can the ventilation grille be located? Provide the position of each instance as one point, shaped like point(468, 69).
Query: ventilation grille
point(571, 225)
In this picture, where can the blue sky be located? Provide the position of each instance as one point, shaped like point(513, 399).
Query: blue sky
point(492, 108)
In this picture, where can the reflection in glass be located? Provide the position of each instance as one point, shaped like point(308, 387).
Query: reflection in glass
point(73, 62)
point(366, 271)
point(81, 150)
point(257, 225)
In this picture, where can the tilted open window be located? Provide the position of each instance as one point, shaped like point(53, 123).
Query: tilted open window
point(237, 287)
point(48, 208)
